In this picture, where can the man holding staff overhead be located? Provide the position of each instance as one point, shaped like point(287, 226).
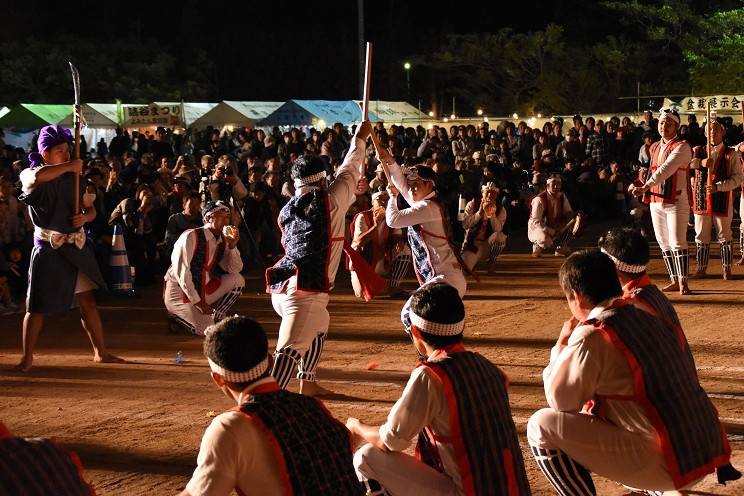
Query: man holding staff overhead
point(63, 268)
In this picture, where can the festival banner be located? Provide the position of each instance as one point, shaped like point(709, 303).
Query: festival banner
point(697, 104)
point(153, 115)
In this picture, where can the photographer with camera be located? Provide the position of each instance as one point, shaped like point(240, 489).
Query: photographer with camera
point(134, 215)
point(225, 183)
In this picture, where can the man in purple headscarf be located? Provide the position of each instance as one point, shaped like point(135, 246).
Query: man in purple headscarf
point(63, 268)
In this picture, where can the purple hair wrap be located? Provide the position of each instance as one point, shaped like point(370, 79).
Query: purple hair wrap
point(49, 137)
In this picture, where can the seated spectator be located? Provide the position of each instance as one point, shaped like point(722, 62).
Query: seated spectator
point(189, 218)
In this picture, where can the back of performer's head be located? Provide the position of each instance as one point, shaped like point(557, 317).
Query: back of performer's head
point(308, 170)
point(627, 248)
point(437, 311)
point(591, 274)
point(237, 349)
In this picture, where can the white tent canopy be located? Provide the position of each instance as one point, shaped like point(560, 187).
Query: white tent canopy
point(396, 112)
point(236, 114)
point(95, 115)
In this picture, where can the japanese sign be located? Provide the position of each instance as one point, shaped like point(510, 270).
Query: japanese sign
point(719, 103)
point(152, 115)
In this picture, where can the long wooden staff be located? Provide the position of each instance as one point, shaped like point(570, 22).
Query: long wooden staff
point(365, 96)
point(78, 123)
point(708, 146)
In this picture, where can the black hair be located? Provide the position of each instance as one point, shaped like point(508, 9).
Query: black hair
point(627, 245)
point(591, 274)
point(438, 302)
point(308, 165)
point(237, 344)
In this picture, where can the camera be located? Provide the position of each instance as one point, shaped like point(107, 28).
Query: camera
point(229, 172)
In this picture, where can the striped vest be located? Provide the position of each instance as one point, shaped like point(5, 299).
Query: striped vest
point(643, 290)
point(312, 448)
point(200, 267)
point(305, 222)
point(692, 439)
point(667, 191)
point(482, 430)
point(717, 203)
point(483, 225)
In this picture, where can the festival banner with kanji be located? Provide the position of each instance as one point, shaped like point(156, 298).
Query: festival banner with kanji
point(697, 104)
point(152, 115)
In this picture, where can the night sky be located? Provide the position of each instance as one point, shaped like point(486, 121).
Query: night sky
point(277, 50)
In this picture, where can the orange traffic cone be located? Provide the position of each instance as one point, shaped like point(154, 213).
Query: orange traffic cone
point(121, 276)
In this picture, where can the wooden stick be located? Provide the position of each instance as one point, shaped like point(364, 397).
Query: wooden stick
point(365, 96)
point(78, 123)
point(709, 177)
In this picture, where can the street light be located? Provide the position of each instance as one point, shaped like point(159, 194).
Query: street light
point(407, 67)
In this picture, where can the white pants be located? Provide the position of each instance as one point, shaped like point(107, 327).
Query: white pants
point(401, 474)
point(173, 297)
point(304, 315)
point(705, 222)
point(603, 448)
point(484, 249)
point(670, 223)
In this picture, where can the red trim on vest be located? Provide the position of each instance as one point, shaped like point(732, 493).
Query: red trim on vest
point(654, 152)
point(286, 483)
point(642, 282)
point(548, 213)
point(640, 397)
point(723, 160)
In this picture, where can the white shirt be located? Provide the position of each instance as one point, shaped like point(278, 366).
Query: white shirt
point(183, 252)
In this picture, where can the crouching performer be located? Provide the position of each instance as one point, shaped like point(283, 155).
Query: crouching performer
point(273, 442)
point(623, 394)
point(204, 279)
point(457, 404)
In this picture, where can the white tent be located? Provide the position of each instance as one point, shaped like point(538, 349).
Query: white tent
point(96, 115)
point(396, 112)
point(236, 114)
point(191, 111)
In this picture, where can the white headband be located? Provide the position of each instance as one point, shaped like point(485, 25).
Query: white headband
point(411, 174)
point(670, 113)
point(217, 207)
point(554, 178)
point(246, 376)
point(378, 194)
point(490, 185)
point(436, 328)
point(302, 181)
point(625, 267)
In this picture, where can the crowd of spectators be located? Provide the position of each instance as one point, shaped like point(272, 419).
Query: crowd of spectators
point(153, 184)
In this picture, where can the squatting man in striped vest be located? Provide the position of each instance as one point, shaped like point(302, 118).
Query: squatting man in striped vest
point(623, 394)
point(273, 442)
point(456, 402)
point(204, 279)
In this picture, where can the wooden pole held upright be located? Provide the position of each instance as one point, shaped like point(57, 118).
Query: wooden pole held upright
point(365, 96)
point(708, 146)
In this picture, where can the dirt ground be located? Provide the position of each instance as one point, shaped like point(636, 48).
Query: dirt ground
point(137, 426)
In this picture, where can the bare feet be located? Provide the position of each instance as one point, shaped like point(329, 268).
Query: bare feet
point(491, 267)
point(700, 274)
point(24, 366)
point(313, 389)
point(727, 275)
point(684, 289)
point(672, 286)
point(108, 358)
point(741, 261)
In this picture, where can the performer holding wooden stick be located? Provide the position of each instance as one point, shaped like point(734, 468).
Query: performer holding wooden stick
point(718, 171)
point(63, 267)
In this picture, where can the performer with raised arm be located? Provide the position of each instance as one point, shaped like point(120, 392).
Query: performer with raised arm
point(434, 257)
point(313, 232)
